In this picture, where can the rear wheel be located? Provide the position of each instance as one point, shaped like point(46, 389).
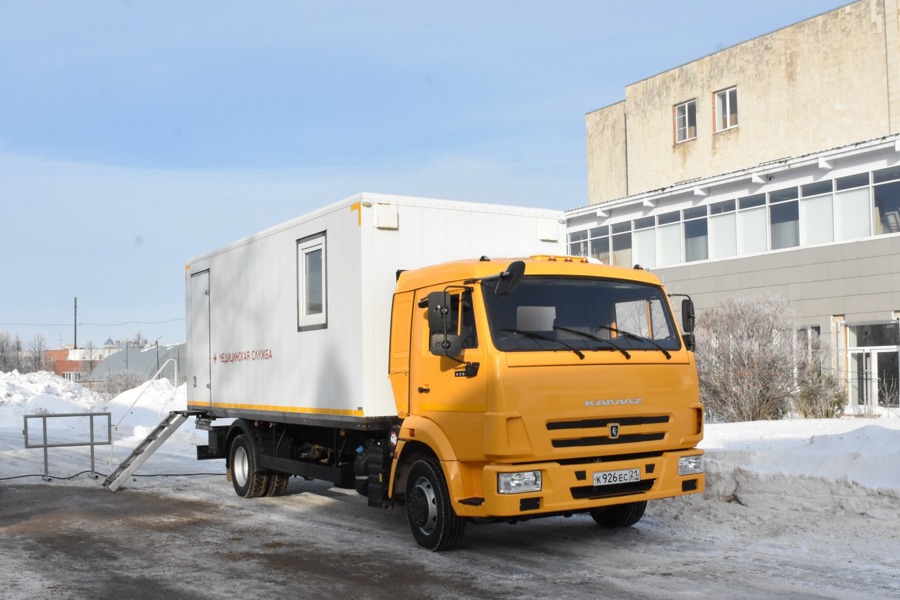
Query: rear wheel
point(278, 482)
point(620, 515)
point(432, 520)
point(248, 479)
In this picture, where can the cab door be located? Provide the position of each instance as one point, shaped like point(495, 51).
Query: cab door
point(449, 390)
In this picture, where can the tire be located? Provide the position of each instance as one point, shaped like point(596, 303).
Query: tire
point(620, 515)
point(249, 481)
point(277, 483)
point(432, 520)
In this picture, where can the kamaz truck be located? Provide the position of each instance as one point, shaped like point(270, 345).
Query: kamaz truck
point(445, 357)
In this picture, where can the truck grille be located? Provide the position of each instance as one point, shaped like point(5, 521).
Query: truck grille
point(605, 438)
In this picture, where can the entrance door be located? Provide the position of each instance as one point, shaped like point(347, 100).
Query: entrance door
point(875, 378)
point(199, 382)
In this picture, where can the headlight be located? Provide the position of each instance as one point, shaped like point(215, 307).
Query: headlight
point(519, 483)
point(690, 465)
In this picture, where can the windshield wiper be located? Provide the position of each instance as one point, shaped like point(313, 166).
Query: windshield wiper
point(638, 338)
point(537, 336)
point(591, 336)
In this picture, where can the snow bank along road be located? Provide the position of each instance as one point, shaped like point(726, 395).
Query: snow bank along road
point(793, 509)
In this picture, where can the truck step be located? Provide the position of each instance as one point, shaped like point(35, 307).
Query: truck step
point(145, 449)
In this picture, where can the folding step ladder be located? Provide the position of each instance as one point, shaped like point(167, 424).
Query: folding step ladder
point(147, 447)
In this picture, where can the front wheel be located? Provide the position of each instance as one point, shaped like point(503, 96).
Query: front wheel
point(620, 515)
point(249, 480)
point(432, 520)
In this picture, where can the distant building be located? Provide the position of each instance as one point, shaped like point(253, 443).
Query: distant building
point(770, 165)
point(76, 363)
point(143, 363)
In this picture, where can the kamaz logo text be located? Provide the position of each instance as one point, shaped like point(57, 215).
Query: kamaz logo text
point(616, 402)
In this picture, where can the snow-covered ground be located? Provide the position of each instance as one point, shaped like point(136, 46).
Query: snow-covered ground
point(813, 499)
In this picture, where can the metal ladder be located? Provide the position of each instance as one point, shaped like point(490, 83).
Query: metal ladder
point(147, 447)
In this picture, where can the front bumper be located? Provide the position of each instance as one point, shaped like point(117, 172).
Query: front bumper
point(568, 488)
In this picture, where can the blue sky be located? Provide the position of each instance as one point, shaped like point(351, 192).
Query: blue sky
point(137, 134)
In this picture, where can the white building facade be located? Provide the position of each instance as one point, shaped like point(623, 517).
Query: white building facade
point(731, 190)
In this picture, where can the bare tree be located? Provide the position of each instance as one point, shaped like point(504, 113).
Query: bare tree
point(90, 357)
point(38, 349)
point(745, 359)
point(6, 357)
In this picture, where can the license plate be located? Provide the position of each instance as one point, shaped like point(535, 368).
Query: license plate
point(614, 477)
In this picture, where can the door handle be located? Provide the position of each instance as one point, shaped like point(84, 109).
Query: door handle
point(424, 389)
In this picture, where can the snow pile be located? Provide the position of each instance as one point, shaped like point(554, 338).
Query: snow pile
point(820, 465)
point(42, 392)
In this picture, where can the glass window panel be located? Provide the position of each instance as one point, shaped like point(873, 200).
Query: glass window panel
point(721, 207)
point(815, 189)
point(644, 223)
point(852, 217)
point(669, 245)
point(644, 251)
point(695, 240)
point(621, 227)
point(816, 220)
point(686, 121)
point(314, 282)
point(887, 208)
point(672, 217)
point(621, 254)
point(889, 174)
point(851, 181)
point(875, 334)
point(694, 213)
point(752, 201)
point(752, 231)
point(784, 219)
point(783, 195)
point(600, 231)
point(578, 245)
point(600, 249)
point(722, 235)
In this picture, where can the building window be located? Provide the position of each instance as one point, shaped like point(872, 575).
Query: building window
point(784, 218)
point(669, 241)
point(686, 121)
point(816, 213)
point(644, 242)
point(726, 109)
point(696, 234)
point(751, 224)
point(311, 283)
point(722, 228)
point(887, 201)
point(621, 244)
point(593, 242)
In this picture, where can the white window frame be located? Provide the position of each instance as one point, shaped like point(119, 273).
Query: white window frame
point(307, 319)
point(726, 109)
point(685, 128)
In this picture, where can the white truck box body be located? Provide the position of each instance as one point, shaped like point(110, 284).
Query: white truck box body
point(247, 352)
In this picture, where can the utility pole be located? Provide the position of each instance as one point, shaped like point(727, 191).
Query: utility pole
point(76, 324)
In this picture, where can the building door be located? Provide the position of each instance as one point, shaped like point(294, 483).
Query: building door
point(199, 354)
point(875, 378)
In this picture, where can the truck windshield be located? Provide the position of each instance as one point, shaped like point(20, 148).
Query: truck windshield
point(581, 314)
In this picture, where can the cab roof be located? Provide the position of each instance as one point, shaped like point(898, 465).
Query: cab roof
point(573, 266)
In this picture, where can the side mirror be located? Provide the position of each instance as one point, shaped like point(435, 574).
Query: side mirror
point(689, 341)
point(439, 304)
point(448, 344)
point(688, 319)
point(510, 278)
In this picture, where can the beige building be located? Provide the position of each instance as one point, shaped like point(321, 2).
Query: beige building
point(773, 164)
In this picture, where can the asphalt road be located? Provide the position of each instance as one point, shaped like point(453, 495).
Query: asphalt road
point(192, 538)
